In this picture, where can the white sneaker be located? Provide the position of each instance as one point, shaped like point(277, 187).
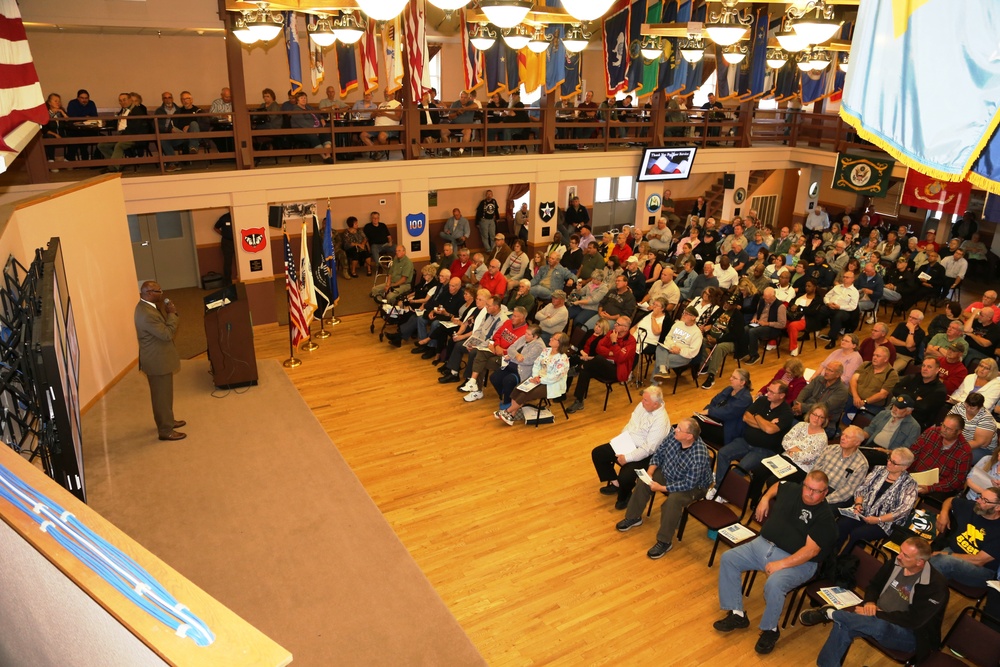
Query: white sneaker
point(770, 346)
point(470, 385)
point(473, 396)
point(720, 499)
point(796, 351)
point(711, 493)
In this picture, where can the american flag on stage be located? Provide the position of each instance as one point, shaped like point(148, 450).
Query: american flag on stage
point(369, 59)
point(296, 317)
point(417, 58)
point(21, 99)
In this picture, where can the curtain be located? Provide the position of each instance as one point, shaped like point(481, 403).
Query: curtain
point(515, 191)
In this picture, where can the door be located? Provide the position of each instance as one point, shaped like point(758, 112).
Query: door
point(614, 203)
point(163, 248)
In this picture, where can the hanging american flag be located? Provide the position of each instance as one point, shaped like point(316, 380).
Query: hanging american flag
point(296, 316)
point(415, 34)
point(472, 62)
point(369, 59)
point(21, 99)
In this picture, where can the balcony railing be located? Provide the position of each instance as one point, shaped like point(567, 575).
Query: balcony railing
point(272, 141)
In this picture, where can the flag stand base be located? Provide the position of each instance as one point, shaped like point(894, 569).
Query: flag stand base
point(308, 346)
point(322, 334)
point(291, 362)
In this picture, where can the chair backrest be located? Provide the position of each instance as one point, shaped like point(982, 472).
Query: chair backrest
point(861, 420)
point(974, 640)
point(735, 487)
point(868, 565)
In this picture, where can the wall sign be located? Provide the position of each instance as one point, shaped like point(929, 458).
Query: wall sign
point(253, 239)
point(416, 223)
point(740, 195)
point(654, 203)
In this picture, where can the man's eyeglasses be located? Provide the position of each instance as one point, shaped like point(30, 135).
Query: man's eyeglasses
point(988, 502)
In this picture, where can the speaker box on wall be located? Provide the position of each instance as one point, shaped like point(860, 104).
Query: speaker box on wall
point(729, 181)
point(274, 217)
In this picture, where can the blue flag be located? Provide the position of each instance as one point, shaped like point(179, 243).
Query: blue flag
point(616, 50)
point(497, 68)
point(934, 109)
point(753, 74)
point(330, 258)
point(636, 64)
point(571, 86)
point(294, 52)
point(670, 68)
point(347, 67)
point(722, 90)
point(694, 72)
point(813, 85)
point(555, 59)
point(786, 80)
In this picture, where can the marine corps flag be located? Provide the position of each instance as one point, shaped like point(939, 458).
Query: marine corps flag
point(863, 175)
point(934, 194)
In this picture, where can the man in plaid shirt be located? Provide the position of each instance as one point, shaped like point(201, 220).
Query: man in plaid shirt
point(681, 468)
point(945, 448)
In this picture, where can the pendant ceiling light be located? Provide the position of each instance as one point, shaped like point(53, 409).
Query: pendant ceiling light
point(264, 24)
point(652, 47)
point(242, 32)
point(692, 49)
point(803, 62)
point(539, 41)
point(587, 10)
point(449, 5)
point(517, 37)
point(728, 26)
point(321, 32)
point(814, 29)
point(382, 10)
point(482, 37)
point(575, 39)
point(348, 28)
point(791, 41)
point(819, 60)
point(776, 58)
point(505, 13)
point(844, 62)
point(734, 54)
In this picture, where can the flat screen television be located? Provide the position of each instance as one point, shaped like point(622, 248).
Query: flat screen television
point(666, 164)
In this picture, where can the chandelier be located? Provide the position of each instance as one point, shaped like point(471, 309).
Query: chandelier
point(482, 37)
point(776, 58)
point(505, 13)
point(517, 37)
point(817, 29)
point(539, 41)
point(728, 26)
point(587, 10)
point(257, 25)
point(576, 38)
point(734, 53)
point(321, 32)
point(692, 49)
point(382, 10)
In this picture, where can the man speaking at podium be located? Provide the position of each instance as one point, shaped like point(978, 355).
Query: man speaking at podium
point(158, 357)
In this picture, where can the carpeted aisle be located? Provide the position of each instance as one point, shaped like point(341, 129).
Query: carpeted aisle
point(258, 508)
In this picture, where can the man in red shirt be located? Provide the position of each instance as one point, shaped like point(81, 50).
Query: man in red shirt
point(622, 250)
point(461, 265)
point(508, 332)
point(929, 243)
point(953, 371)
point(613, 363)
point(943, 447)
point(493, 280)
point(879, 337)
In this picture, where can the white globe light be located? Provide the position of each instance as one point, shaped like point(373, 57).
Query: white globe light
point(449, 5)
point(587, 10)
point(382, 10)
point(506, 13)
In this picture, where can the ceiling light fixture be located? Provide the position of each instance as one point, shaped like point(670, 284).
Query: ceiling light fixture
point(349, 27)
point(587, 10)
point(818, 28)
point(382, 10)
point(734, 53)
point(265, 25)
point(321, 32)
point(790, 40)
point(651, 48)
point(819, 60)
point(803, 62)
point(729, 26)
point(449, 5)
point(517, 37)
point(505, 13)
point(776, 58)
point(692, 49)
point(482, 37)
point(539, 41)
point(576, 38)
point(242, 32)
point(845, 59)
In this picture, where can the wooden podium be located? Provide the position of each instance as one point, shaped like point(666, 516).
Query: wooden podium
point(229, 332)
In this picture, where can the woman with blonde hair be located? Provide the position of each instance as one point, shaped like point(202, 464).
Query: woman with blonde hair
point(984, 381)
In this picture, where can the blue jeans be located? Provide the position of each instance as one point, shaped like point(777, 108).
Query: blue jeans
point(755, 555)
point(739, 450)
point(960, 570)
point(580, 316)
point(848, 626)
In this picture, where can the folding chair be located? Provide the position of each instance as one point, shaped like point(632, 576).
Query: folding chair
point(975, 641)
point(607, 394)
point(735, 488)
point(870, 560)
point(547, 402)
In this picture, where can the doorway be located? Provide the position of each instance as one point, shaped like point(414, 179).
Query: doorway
point(163, 248)
point(614, 203)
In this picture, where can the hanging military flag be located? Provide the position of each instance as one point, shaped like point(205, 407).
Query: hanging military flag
point(324, 266)
point(934, 194)
point(786, 81)
point(813, 85)
point(694, 72)
point(839, 76)
point(863, 175)
point(417, 55)
point(531, 69)
point(650, 69)
point(496, 66)
point(724, 75)
point(369, 58)
point(754, 67)
point(555, 60)
point(991, 211)
point(571, 86)
point(293, 51)
point(392, 42)
point(636, 64)
point(616, 48)
point(317, 72)
point(934, 109)
point(347, 67)
point(472, 60)
point(673, 70)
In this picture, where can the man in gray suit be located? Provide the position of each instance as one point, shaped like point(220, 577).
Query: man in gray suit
point(158, 357)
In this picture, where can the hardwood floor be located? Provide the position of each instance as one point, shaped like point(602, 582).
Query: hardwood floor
point(507, 523)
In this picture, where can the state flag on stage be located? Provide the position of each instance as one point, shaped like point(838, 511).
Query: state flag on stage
point(324, 264)
point(307, 288)
point(863, 174)
point(924, 85)
point(934, 194)
point(616, 49)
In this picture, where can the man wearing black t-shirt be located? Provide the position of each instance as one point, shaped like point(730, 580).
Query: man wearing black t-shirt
point(766, 422)
point(798, 535)
point(486, 219)
point(983, 337)
point(972, 552)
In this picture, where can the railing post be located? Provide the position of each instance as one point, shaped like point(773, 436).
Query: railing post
point(35, 162)
point(746, 123)
point(237, 86)
point(659, 113)
point(549, 123)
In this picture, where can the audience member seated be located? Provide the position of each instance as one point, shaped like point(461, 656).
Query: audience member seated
point(586, 299)
point(766, 422)
point(953, 335)
point(722, 420)
point(616, 302)
point(901, 285)
point(767, 324)
point(926, 390)
point(791, 374)
point(472, 312)
point(891, 429)
point(124, 127)
point(500, 251)
point(680, 468)
point(514, 266)
point(493, 280)
point(646, 428)
point(483, 332)
point(910, 624)
point(871, 385)
point(592, 261)
point(879, 336)
point(884, 500)
point(943, 447)
point(980, 429)
point(826, 388)
point(983, 475)
point(551, 277)
point(803, 316)
point(845, 466)
point(388, 114)
point(983, 337)
point(307, 119)
point(681, 344)
point(456, 229)
point(984, 380)
point(444, 306)
point(940, 323)
point(988, 300)
point(379, 238)
point(222, 120)
point(726, 336)
point(613, 363)
point(952, 371)
point(908, 339)
point(548, 375)
point(399, 280)
point(970, 530)
point(802, 446)
point(521, 296)
point(838, 305)
point(798, 535)
point(488, 358)
point(516, 364)
point(553, 316)
point(847, 355)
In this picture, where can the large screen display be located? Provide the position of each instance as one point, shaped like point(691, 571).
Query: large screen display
point(666, 164)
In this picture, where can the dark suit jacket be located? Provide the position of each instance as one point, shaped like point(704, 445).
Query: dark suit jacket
point(157, 354)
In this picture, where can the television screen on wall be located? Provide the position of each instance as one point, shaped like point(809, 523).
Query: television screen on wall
point(666, 164)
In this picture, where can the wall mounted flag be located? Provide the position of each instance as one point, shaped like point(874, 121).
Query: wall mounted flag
point(863, 175)
point(935, 194)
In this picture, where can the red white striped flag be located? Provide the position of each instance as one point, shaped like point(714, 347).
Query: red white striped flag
point(369, 59)
point(21, 99)
point(296, 316)
point(474, 61)
point(417, 58)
